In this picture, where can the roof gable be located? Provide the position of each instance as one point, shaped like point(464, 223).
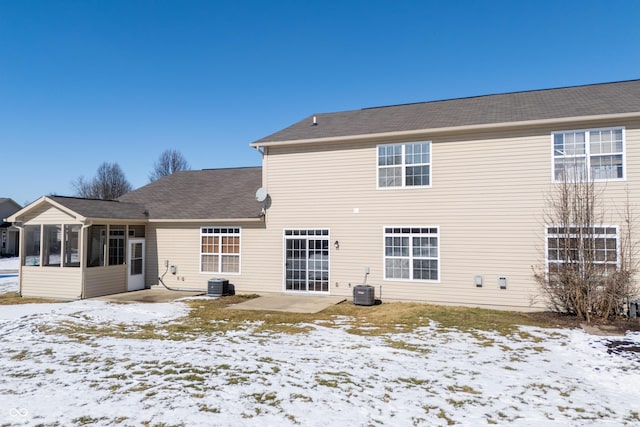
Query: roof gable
point(577, 101)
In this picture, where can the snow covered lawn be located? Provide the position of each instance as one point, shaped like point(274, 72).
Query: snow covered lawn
point(8, 284)
point(324, 377)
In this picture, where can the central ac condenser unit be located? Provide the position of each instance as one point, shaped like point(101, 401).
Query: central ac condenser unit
point(218, 287)
point(364, 295)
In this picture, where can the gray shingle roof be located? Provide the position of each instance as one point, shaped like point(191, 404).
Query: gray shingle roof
point(93, 208)
point(606, 98)
point(203, 194)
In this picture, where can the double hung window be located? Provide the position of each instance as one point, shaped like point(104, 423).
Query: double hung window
point(220, 250)
point(404, 165)
point(588, 155)
point(582, 248)
point(411, 253)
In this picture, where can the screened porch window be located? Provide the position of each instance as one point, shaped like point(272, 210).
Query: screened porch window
point(71, 245)
point(31, 245)
point(97, 245)
point(52, 245)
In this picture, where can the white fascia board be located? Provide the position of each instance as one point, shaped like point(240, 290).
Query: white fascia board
point(44, 199)
point(209, 220)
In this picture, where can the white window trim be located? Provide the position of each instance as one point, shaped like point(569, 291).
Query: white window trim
point(410, 279)
point(547, 235)
point(200, 253)
point(284, 256)
point(588, 153)
point(404, 166)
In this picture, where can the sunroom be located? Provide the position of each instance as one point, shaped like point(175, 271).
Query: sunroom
point(74, 248)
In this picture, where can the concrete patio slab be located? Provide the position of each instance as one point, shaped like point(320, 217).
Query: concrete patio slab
point(149, 295)
point(289, 303)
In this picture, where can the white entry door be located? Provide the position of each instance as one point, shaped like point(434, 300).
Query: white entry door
point(136, 265)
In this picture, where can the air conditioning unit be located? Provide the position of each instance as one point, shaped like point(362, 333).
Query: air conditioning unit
point(217, 287)
point(364, 295)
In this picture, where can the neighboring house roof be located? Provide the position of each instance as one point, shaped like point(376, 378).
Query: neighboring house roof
point(204, 194)
point(4, 200)
point(577, 101)
point(7, 207)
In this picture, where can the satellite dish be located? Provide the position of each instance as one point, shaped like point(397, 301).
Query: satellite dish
point(261, 194)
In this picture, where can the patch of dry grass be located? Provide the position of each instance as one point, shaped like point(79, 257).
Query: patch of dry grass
point(211, 316)
point(11, 298)
point(365, 320)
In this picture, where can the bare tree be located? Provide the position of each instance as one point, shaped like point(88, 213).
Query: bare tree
point(590, 265)
point(170, 161)
point(108, 184)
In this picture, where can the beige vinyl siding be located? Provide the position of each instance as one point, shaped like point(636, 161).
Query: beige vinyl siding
point(47, 214)
point(105, 280)
point(51, 282)
point(487, 198)
point(180, 245)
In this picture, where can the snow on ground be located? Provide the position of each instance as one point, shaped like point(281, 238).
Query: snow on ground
point(9, 263)
point(326, 377)
point(8, 284)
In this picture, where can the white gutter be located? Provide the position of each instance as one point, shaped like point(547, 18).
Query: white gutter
point(221, 220)
point(450, 129)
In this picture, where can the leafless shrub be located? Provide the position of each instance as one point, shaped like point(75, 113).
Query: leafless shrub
point(590, 266)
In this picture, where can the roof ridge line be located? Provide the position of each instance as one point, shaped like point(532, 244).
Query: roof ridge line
point(495, 94)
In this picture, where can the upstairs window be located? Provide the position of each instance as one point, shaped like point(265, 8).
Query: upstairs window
point(588, 155)
point(404, 165)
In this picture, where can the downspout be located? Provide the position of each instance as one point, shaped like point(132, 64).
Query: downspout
point(19, 226)
point(83, 264)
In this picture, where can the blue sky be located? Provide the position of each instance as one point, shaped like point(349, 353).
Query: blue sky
point(88, 81)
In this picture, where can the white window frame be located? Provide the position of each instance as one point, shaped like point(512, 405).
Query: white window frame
point(403, 165)
point(588, 156)
point(411, 231)
point(307, 234)
point(221, 231)
point(606, 233)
